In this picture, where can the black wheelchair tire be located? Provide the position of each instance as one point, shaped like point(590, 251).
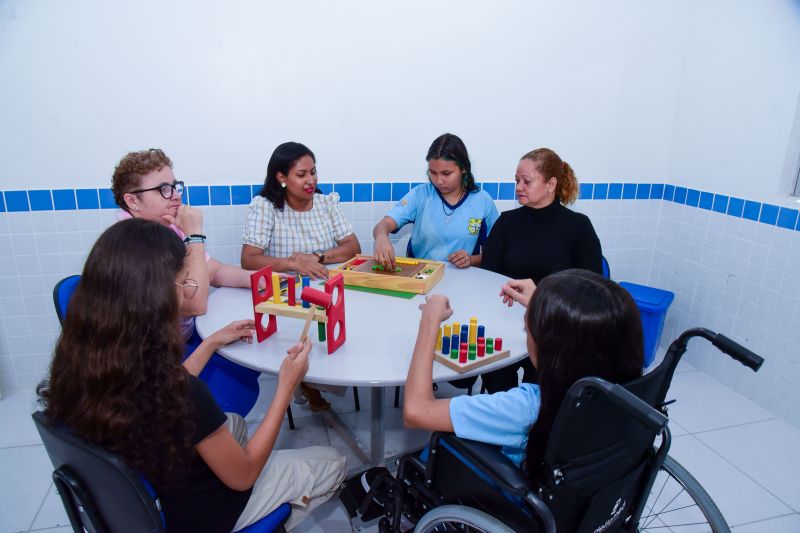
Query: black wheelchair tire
point(460, 515)
point(673, 471)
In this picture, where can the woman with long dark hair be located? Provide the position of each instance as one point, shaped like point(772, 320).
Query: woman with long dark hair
point(578, 324)
point(116, 379)
point(451, 215)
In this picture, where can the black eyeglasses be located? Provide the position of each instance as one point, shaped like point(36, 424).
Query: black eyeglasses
point(166, 189)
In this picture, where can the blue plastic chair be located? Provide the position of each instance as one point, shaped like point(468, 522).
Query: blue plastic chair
point(62, 293)
point(606, 268)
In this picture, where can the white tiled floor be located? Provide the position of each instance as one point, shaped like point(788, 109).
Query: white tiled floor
point(745, 458)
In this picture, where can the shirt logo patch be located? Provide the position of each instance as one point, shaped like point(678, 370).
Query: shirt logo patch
point(474, 226)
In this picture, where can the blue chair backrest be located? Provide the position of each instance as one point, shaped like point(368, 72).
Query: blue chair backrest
point(62, 293)
point(606, 268)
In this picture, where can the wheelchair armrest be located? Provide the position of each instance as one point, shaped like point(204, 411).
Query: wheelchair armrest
point(490, 459)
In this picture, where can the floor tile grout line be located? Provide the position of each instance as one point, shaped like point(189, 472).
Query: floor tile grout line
point(703, 431)
point(39, 509)
point(14, 447)
point(748, 476)
point(766, 519)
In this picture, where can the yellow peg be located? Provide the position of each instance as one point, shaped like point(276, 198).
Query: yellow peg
point(276, 288)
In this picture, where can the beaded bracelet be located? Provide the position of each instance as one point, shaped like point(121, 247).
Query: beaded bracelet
point(195, 238)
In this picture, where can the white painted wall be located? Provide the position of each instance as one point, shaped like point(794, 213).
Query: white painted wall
point(695, 93)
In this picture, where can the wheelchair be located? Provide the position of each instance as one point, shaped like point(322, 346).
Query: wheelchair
point(605, 468)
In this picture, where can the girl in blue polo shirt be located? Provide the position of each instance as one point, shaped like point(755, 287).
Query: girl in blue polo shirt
point(451, 215)
point(578, 324)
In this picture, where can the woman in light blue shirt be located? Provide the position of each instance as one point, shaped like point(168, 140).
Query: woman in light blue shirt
point(578, 324)
point(451, 215)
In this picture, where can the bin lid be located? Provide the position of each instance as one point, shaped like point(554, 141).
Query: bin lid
point(649, 298)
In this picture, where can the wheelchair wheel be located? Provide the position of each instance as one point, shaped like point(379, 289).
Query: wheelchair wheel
point(459, 518)
point(677, 502)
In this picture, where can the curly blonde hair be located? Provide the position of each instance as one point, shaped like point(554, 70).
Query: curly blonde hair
point(550, 165)
point(130, 170)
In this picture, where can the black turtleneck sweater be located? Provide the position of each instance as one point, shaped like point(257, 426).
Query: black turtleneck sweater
point(532, 243)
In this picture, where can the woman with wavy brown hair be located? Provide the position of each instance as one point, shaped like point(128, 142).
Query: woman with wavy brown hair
point(117, 380)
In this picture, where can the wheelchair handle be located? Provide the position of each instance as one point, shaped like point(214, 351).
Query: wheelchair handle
point(738, 352)
point(726, 345)
point(638, 408)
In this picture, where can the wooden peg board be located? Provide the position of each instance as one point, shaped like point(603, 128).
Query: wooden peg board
point(470, 364)
point(415, 275)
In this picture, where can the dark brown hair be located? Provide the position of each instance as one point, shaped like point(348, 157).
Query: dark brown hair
point(116, 378)
point(550, 165)
point(130, 170)
point(451, 148)
point(582, 325)
point(282, 160)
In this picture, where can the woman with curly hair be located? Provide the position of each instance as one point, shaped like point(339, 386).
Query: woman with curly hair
point(145, 187)
point(540, 237)
point(117, 380)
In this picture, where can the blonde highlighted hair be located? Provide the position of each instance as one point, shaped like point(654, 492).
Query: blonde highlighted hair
point(550, 165)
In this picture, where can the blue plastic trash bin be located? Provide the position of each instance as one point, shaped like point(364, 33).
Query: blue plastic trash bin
point(653, 305)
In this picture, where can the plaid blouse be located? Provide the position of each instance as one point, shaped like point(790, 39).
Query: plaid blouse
point(280, 233)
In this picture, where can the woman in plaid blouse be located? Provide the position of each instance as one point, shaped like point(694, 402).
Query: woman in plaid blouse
point(291, 226)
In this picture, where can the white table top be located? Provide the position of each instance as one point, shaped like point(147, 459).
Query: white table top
point(381, 331)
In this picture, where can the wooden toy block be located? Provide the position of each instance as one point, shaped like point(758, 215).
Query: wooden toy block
point(263, 277)
point(462, 353)
point(469, 364)
point(328, 306)
point(336, 332)
point(271, 308)
point(412, 275)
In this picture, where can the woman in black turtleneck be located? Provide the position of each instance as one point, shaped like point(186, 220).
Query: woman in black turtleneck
point(538, 238)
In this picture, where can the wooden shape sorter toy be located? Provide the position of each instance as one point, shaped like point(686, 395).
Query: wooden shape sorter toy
point(412, 275)
point(323, 307)
point(464, 347)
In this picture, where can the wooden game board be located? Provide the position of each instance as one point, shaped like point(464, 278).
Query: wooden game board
point(415, 275)
point(470, 364)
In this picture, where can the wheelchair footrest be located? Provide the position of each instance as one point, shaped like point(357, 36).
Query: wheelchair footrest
point(359, 499)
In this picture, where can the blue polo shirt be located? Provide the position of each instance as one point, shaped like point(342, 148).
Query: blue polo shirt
point(502, 418)
point(440, 228)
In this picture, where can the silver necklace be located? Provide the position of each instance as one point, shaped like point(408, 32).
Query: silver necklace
point(453, 210)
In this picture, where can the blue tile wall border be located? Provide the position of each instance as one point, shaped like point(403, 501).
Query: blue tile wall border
point(345, 191)
point(40, 200)
point(241, 194)
point(220, 195)
point(17, 201)
point(64, 200)
point(362, 192)
point(87, 199)
point(107, 199)
point(203, 195)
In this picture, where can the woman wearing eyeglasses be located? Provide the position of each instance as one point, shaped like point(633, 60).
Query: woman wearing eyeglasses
point(451, 215)
point(145, 187)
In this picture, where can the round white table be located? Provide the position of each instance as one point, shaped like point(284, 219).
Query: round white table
point(381, 331)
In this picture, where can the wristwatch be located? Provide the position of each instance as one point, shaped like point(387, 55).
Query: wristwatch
point(320, 255)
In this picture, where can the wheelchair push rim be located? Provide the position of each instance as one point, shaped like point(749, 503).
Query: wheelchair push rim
point(677, 502)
